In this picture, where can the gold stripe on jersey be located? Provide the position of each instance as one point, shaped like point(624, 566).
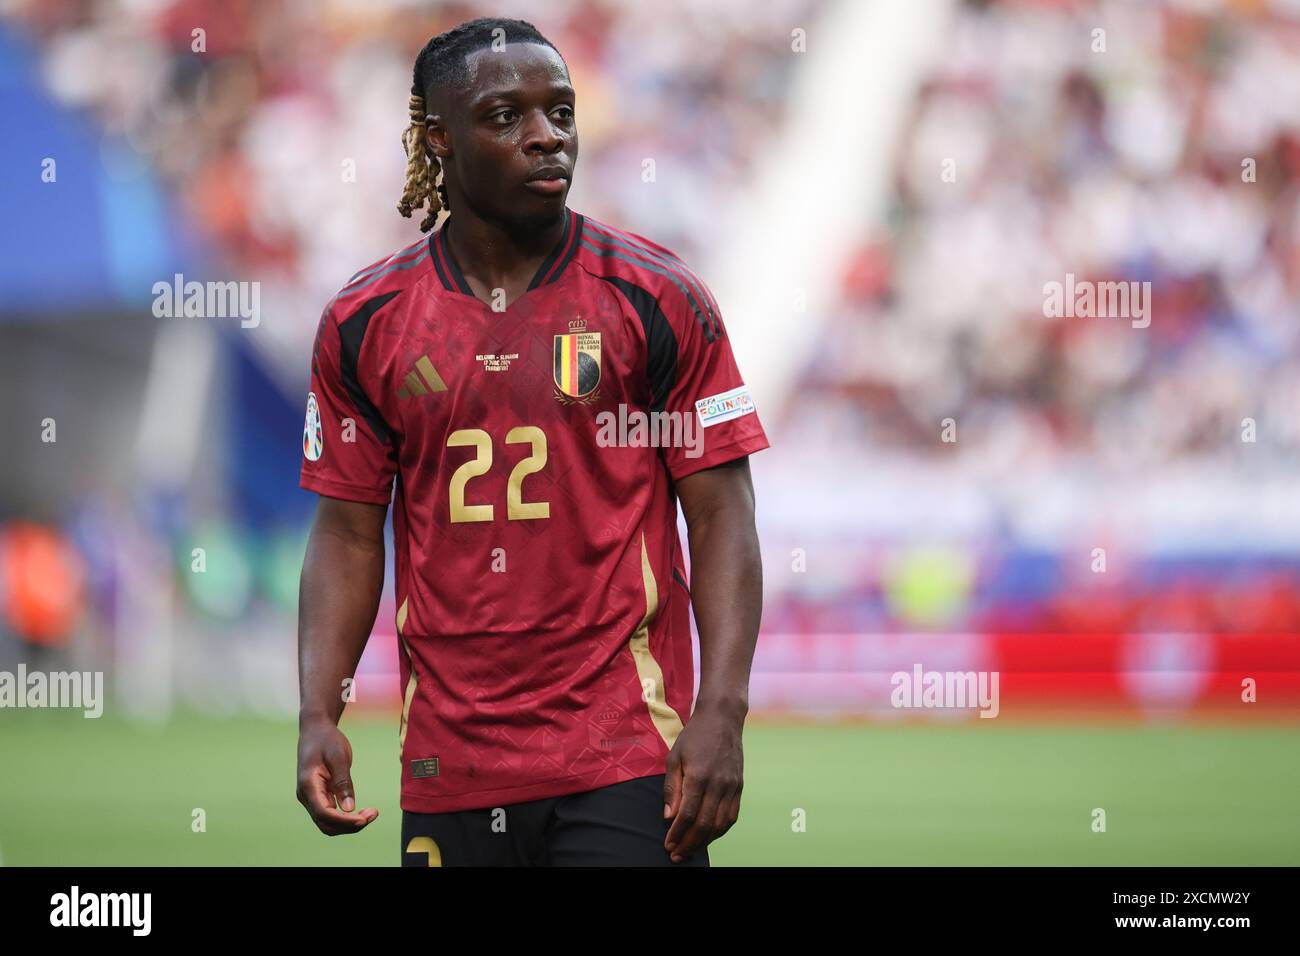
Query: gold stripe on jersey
point(664, 717)
point(430, 374)
point(422, 380)
point(413, 386)
point(410, 681)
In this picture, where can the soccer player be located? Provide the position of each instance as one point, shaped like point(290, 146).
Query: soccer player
point(543, 609)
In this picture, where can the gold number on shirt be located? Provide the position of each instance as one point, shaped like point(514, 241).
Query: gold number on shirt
point(476, 466)
point(516, 507)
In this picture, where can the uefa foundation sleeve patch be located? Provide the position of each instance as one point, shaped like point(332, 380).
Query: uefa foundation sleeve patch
point(725, 406)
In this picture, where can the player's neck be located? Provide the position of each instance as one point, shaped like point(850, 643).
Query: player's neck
point(494, 256)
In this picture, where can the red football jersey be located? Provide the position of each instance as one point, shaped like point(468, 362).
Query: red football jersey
point(543, 607)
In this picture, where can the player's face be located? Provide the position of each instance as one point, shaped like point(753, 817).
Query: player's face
point(514, 139)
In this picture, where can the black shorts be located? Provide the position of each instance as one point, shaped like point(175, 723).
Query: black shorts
point(619, 825)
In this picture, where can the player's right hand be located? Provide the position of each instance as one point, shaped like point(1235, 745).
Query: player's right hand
point(325, 780)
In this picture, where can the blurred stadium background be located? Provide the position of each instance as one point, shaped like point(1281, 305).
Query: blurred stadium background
point(877, 192)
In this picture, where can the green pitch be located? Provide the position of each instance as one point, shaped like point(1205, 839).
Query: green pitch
point(103, 792)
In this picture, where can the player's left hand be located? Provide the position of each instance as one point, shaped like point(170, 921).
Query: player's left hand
point(703, 779)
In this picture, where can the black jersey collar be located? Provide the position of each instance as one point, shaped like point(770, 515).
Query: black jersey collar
point(551, 269)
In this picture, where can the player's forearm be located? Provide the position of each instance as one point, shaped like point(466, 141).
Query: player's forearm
point(727, 594)
point(342, 579)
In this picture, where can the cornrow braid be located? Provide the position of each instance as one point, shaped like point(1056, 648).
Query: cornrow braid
point(442, 64)
point(422, 169)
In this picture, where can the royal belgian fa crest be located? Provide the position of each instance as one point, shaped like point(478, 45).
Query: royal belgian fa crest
point(577, 365)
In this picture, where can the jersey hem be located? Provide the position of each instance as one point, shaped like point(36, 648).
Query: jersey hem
point(505, 796)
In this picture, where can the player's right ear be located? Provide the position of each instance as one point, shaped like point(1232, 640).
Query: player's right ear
point(438, 137)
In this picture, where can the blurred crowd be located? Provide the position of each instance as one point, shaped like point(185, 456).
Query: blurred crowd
point(278, 127)
point(1142, 142)
point(996, 446)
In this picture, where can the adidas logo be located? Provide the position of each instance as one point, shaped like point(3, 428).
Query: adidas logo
point(422, 380)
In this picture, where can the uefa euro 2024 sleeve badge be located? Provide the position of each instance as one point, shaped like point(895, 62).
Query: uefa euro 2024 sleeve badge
point(576, 365)
point(313, 437)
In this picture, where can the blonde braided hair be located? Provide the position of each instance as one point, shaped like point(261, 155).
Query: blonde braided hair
point(422, 168)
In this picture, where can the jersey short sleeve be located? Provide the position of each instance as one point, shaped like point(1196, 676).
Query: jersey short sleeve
point(707, 386)
point(342, 456)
